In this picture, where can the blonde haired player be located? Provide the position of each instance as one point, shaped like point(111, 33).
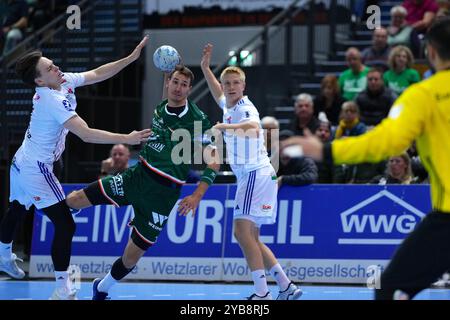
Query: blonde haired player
point(256, 195)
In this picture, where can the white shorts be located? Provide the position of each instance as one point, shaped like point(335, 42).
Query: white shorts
point(33, 182)
point(256, 196)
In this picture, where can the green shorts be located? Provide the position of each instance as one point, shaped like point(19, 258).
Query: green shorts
point(152, 202)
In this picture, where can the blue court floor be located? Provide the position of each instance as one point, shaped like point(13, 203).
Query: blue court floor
point(42, 290)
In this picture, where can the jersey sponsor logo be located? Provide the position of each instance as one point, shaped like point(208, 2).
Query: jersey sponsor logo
point(67, 105)
point(116, 184)
point(266, 207)
point(247, 114)
point(37, 199)
point(158, 147)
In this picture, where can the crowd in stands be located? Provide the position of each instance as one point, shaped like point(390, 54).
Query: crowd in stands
point(360, 97)
point(20, 18)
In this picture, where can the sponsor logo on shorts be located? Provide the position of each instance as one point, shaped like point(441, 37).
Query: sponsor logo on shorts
point(158, 221)
point(37, 199)
point(266, 207)
point(116, 184)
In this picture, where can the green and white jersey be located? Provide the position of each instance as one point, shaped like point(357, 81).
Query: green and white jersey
point(163, 152)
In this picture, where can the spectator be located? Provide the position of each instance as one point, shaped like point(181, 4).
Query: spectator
point(398, 171)
point(271, 126)
point(421, 13)
point(377, 55)
point(353, 80)
point(117, 162)
point(401, 33)
point(418, 169)
point(14, 24)
point(296, 171)
point(40, 14)
point(330, 99)
point(304, 115)
point(400, 75)
point(325, 170)
point(376, 101)
point(350, 125)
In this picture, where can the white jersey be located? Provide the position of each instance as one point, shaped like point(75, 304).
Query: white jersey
point(244, 154)
point(45, 137)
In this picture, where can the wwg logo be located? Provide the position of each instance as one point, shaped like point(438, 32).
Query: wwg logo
point(368, 224)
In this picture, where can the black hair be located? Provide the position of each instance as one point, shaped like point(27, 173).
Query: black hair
point(26, 67)
point(185, 71)
point(438, 37)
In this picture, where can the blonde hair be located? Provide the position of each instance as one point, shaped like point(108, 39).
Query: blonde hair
point(399, 9)
point(396, 51)
point(409, 173)
point(235, 70)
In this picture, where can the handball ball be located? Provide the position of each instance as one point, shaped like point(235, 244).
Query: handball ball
point(166, 58)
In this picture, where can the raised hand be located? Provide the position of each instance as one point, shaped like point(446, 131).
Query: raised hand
point(137, 51)
point(206, 56)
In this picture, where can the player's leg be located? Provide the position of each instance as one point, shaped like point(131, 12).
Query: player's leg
point(134, 250)
point(244, 232)
point(19, 200)
point(98, 192)
point(42, 186)
point(264, 204)
point(151, 215)
point(422, 257)
point(64, 225)
point(8, 227)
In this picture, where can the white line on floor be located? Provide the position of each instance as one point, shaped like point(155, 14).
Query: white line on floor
point(196, 294)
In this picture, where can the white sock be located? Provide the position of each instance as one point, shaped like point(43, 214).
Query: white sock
point(280, 277)
point(260, 282)
point(62, 279)
point(107, 282)
point(5, 250)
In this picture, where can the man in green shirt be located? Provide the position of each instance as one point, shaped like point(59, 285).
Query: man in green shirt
point(353, 80)
point(153, 185)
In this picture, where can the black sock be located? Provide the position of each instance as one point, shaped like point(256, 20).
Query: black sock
point(119, 271)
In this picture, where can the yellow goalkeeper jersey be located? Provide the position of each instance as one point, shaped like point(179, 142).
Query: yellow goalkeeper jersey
point(421, 113)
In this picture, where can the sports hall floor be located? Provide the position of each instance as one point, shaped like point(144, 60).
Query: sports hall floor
point(42, 290)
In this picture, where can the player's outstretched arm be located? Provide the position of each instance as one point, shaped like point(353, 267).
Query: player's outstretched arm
point(213, 84)
point(79, 127)
point(243, 129)
point(109, 70)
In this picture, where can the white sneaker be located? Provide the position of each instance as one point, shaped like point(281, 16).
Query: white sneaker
point(292, 292)
point(10, 267)
point(64, 294)
point(254, 296)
